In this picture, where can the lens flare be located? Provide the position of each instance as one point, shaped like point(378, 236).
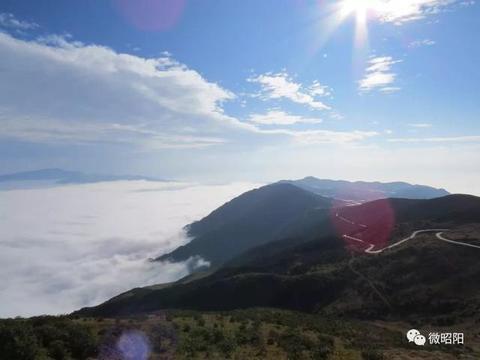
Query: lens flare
point(368, 226)
point(151, 15)
point(133, 345)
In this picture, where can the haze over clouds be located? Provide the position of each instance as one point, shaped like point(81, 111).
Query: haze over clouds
point(66, 247)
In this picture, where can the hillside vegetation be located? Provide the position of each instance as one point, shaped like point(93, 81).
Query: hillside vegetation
point(242, 334)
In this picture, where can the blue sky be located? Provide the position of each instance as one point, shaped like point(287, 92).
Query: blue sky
point(243, 90)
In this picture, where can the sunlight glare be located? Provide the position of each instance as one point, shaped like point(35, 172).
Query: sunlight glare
point(360, 9)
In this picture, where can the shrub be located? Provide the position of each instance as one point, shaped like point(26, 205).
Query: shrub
point(18, 341)
point(58, 351)
point(371, 354)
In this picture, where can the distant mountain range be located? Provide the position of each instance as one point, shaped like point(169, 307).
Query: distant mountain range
point(295, 209)
point(423, 278)
point(366, 191)
point(59, 176)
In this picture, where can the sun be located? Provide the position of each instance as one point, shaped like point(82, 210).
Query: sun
point(363, 12)
point(359, 8)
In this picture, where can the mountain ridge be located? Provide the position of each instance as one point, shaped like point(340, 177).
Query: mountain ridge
point(230, 229)
point(251, 219)
point(366, 191)
point(321, 275)
point(61, 176)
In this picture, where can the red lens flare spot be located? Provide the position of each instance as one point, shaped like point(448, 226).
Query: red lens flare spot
point(151, 15)
point(364, 227)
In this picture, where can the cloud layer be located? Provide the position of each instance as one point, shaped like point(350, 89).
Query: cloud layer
point(82, 244)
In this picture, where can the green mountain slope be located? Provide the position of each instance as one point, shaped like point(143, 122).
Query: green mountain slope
point(252, 219)
point(424, 277)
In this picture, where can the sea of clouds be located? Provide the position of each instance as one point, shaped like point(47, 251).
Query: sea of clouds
point(66, 247)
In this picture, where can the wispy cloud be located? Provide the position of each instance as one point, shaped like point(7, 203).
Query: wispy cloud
point(420, 125)
point(379, 75)
point(282, 86)
point(403, 11)
point(336, 116)
point(420, 43)
point(317, 89)
point(278, 117)
point(53, 131)
point(439, 139)
point(9, 21)
point(313, 137)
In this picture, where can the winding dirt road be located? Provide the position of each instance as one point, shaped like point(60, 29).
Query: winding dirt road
point(440, 237)
point(370, 248)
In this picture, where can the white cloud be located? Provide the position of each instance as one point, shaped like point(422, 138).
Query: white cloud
point(420, 125)
point(379, 75)
point(83, 244)
point(81, 94)
point(88, 93)
point(312, 137)
point(336, 116)
point(76, 132)
point(9, 21)
point(282, 86)
point(403, 11)
point(439, 139)
point(317, 89)
point(420, 43)
point(389, 89)
point(277, 117)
